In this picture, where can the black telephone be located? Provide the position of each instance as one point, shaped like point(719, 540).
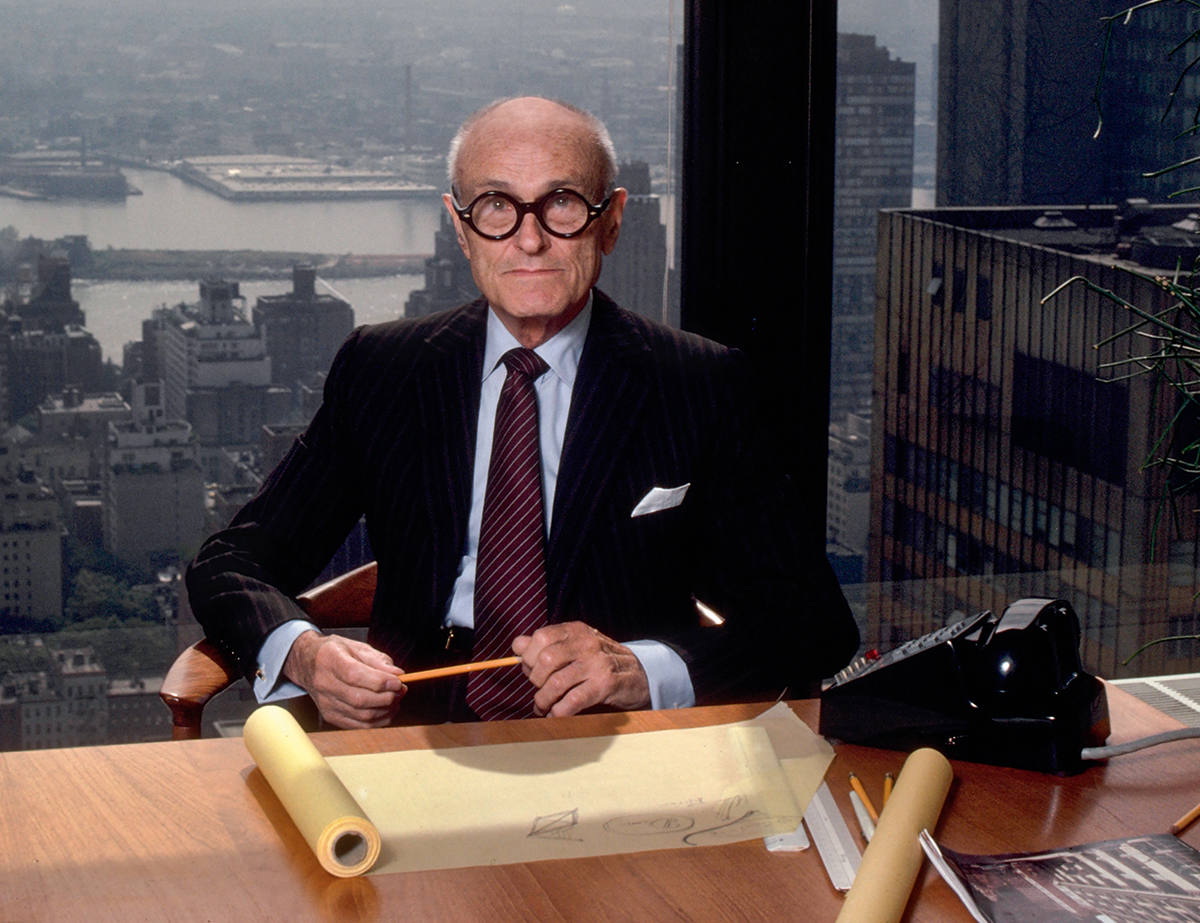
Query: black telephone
point(1010, 691)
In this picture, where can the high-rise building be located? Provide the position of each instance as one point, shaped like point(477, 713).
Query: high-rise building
point(153, 487)
point(448, 279)
point(31, 534)
point(71, 442)
point(873, 169)
point(277, 439)
point(42, 362)
point(47, 347)
point(214, 368)
point(135, 712)
point(303, 329)
point(1017, 116)
point(1008, 460)
point(49, 305)
point(82, 689)
point(848, 497)
point(63, 697)
point(28, 709)
point(848, 494)
point(634, 274)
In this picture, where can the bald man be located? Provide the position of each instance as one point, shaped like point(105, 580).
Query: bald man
point(658, 488)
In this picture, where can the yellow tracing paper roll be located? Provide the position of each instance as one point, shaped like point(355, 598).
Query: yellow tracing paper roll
point(345, 842)
point(893, 858)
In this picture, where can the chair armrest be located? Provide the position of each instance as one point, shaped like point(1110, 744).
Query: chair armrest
point(201, 671)
point(198, 673)
point(343, 602)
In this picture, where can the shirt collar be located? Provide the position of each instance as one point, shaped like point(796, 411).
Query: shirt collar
point(561, 352)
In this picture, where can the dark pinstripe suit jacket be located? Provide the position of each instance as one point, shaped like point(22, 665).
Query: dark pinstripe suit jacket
point(651, 407)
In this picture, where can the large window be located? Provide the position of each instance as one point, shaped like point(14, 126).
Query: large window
point(1020, 445)
point(979, 457)
point(198, 207)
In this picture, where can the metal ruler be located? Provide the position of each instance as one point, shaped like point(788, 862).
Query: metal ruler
point(835, 842)
point(788, 842)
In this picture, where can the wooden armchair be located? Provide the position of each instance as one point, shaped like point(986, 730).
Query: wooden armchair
point(201, 671)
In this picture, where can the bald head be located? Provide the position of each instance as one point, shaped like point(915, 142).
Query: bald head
point(506, 120)
point(522, 152)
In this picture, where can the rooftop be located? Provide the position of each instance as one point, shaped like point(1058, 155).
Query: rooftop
point(1136, 234)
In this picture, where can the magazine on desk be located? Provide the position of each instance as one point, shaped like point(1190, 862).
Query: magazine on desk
point(1144, 879)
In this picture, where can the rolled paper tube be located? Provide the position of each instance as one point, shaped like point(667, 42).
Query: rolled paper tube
point(893, 859)
point(344, 841)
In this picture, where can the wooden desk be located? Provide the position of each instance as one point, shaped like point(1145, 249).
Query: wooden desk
point(188, 831)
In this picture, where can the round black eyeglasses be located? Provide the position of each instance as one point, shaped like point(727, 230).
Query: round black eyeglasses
point(562, 213)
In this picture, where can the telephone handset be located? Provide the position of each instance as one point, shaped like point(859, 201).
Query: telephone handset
point(1007, 690)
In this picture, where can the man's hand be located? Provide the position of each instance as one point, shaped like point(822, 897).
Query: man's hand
point(575, 667)
point(352, 684)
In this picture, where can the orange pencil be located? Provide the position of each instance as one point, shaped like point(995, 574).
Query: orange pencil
point(407, 678)
point(862, 793)
point(1184, 822)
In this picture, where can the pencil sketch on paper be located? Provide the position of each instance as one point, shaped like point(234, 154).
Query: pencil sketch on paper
point(650, 824)
point(729, 806)
point(729, 830)
point(560, 826)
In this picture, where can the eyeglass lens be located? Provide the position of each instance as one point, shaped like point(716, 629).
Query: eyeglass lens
point(561, 212)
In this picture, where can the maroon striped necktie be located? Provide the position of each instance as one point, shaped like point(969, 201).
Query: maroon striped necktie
point(510, 571)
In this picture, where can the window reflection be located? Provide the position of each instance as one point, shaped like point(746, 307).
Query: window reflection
point(1007, 459)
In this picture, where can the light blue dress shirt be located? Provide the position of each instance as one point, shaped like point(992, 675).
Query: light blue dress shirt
point(670, 684)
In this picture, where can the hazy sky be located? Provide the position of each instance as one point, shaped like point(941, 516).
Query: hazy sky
point(907, 27)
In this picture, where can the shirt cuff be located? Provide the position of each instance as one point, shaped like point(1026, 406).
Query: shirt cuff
point(670, 682)
point(269, 683)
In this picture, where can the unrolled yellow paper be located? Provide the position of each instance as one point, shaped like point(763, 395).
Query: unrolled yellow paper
point(345, 842)
point(553, 799)
point(570, 798)
point(803, 755)
point(890, 865)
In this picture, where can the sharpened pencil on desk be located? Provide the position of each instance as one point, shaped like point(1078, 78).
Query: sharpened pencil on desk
point(862, 793)
point(407, 678)
point(1186, 821)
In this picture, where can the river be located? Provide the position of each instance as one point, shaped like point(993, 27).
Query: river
point(172, 215)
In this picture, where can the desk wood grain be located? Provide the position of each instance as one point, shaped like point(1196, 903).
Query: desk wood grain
point(189, 831)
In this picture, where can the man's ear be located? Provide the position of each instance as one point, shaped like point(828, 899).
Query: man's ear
point(612, 220)
point(459, 231)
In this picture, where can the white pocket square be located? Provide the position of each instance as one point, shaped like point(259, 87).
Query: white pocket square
point(660, 498)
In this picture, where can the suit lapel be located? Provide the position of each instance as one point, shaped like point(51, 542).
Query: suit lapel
point(448, 398)
point(610, 389)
